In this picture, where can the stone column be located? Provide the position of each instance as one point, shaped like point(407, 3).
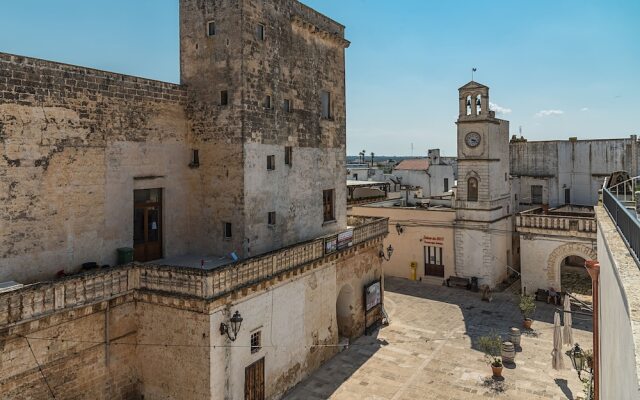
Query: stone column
point(593, 267)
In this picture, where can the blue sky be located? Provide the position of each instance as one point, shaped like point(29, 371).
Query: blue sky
point(558, 68)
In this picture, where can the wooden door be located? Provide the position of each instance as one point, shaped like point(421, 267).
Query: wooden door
point(433, 264)
point(147, 225)
point(254, 381)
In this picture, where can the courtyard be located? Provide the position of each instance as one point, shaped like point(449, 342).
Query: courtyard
point(427, 351)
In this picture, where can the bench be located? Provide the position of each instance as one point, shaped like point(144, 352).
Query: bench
point(458, 281)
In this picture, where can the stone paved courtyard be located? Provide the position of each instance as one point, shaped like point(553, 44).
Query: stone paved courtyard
point(426, 352)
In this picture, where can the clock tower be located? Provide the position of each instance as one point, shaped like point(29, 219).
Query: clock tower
point(483, 199)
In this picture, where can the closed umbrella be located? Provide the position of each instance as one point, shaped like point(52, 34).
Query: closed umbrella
point(556, 354)
point(567, 333)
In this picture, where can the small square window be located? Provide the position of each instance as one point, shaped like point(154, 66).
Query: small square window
point(271, 218)
point(260, 32)
point(267, 102)
point(256, 342)
point(286, 105)
point(224, 98)
point(211, 28)
point(227, 230)
point(271, 163)
point(288, 155)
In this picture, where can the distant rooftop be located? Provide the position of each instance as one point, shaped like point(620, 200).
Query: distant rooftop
point(416, 164)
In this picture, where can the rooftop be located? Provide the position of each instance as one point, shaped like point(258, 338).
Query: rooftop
point(416, 164)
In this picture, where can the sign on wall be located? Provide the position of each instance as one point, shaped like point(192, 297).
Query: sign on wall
point(330, 245)
point(345, 239)
point(373, 295)
point(433, 240)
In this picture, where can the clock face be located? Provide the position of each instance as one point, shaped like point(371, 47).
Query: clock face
point(472, 139)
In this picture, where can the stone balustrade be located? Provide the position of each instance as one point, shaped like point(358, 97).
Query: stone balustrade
point(37, 300)
point(527, 221)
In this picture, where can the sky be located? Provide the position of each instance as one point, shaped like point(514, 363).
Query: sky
point(555, 68)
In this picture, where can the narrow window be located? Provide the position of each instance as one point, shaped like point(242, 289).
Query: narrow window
point(536, 194)
point(326, 104)
point(446, 185)
point(224, 98)
point(288, 155)
point(227, 230)
point(211, 28)
point(472, 189)
point(286, 105)
point(271, 218)
point(567, 196)
point(267, 102)
point(195, 158)
point(256, 342)
point(260, 32)
point(271, 163)
point(505, 176)
point(327, 202)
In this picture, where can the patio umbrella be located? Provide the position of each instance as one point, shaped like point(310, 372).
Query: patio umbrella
point(556, 354)
point(567, 332)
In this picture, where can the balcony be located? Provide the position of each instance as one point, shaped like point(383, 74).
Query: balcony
point(574, 221)
point(34, 301)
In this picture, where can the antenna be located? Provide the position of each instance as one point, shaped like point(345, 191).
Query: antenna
point(411, 149)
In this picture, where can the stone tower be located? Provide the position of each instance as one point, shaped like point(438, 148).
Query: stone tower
point(265, 80)
point(483, 203)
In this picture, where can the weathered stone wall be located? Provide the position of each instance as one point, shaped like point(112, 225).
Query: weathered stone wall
point(72, 140)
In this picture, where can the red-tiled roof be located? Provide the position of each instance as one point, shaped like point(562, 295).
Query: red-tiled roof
point(416, 164)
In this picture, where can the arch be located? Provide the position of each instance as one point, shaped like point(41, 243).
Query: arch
point(344, 311)
point(472, 189)
point(560, 253)
point(468, 104)
point(478, 104)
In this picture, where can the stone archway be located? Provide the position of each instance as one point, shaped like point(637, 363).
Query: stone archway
point(344, 311)
point(559, 254)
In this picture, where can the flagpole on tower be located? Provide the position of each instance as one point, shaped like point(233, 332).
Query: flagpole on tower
point(472, 71)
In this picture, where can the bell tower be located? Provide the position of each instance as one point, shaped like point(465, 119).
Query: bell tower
point(483, 199)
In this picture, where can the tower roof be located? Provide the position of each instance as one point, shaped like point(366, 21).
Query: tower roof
point(473, 85)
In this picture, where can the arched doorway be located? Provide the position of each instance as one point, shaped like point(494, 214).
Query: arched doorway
point(344, 311)
point(571, 251)
point(575, 279)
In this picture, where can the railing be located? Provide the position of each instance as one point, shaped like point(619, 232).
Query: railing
point(625, 220)
point(554, 222)
point(45, 298)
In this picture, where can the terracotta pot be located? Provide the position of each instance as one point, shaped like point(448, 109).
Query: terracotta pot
point(527, 323)
point(497, 371)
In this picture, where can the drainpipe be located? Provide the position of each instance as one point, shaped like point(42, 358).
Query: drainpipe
point(593, 267)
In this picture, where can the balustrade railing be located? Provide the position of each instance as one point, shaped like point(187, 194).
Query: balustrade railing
point(554, 222)
point(36, 300)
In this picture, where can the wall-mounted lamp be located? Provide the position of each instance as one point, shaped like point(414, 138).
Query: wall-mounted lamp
point(389, 253)
point(233, 328)
point(399, 229)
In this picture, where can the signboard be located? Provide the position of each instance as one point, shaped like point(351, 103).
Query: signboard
point(330, 245)
point(437, 240)
point(372, 295)
point(345, 239)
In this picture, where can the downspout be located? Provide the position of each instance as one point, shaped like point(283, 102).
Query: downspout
point(593, 267)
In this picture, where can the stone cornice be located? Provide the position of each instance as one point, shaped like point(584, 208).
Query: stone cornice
point(315, 30)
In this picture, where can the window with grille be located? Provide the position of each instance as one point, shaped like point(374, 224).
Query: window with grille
point(256, 342)
point(328, 206)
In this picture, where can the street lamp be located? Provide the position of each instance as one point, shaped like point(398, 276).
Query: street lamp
point(581, 363)
point(389, 253)
point(233, 328)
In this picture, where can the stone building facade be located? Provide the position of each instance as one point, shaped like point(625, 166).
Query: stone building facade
point(221, 162)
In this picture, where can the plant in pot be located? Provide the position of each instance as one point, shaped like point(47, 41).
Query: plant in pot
point(527, 308)
point(491, 345)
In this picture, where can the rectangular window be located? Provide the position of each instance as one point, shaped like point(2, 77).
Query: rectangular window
point(567, 196)
point(267, 102)
point(446, 185)
point(327, 202)
point(227, 230)
point(271, 163)
point(256, 342)
point(224, 98)
point(536, 194)
point(260, 32)
point(286, 105)
point(271, 218)
point(288, 155)
point(325, 99)
point(211, 28)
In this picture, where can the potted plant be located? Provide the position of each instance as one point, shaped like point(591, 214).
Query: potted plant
point(491, 345)
point(527, 308)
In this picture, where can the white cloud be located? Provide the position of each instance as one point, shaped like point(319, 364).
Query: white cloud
point(546, 113)
point(584, 109)
point(498, 109)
